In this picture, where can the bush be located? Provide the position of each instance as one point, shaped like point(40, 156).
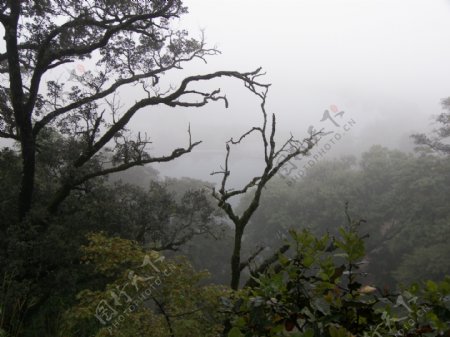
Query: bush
point(319, 291)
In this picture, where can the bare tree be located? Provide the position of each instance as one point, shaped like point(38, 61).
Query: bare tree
point(274, 160)
point(133, 45)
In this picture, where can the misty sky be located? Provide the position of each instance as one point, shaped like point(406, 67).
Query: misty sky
point(384, 62)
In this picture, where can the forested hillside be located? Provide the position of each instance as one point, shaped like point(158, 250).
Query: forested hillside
point(98, 239)
point(402, 197)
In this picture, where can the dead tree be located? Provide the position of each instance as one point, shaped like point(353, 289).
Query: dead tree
point(274, 160)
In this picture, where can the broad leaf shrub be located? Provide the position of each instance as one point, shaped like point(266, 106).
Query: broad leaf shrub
point(138, 292)
point(319, 290)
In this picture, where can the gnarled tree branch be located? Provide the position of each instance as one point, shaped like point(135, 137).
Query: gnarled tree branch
point(273, 163)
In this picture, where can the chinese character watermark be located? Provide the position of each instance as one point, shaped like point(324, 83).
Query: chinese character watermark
point(291, 171)
point(111, 313)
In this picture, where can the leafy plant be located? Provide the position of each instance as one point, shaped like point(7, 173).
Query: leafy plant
point(319, 290)
point(144, 294)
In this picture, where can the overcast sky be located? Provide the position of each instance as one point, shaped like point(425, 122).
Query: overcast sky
point(386, 63)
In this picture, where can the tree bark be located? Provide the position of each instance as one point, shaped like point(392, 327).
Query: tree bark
point(22, 116)
point(28, 170)
point(236, 258)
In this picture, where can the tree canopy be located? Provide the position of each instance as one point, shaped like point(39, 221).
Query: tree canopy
point(403, 198)
point(131, 43)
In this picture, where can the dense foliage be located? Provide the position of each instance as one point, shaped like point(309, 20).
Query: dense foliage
point(406, 187)
point(145, 295)
point(318, 288)
point(403, 197)
point(321, 289)
point(162, 215)
point(81, 246)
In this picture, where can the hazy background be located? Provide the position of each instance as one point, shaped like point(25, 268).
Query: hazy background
point(384, 62)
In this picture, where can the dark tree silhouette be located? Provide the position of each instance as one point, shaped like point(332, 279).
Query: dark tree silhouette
point(133, 46)
point(274, 159)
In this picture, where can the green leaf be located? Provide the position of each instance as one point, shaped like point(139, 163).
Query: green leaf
point(431, 286)
point(235, 332)
point(308, 333)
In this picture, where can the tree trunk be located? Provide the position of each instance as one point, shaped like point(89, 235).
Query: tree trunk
point(28, 170)
point(236, 258)
point(21, 114)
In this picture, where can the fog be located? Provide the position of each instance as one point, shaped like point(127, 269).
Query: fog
point(85, 227)
point(385, 63)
